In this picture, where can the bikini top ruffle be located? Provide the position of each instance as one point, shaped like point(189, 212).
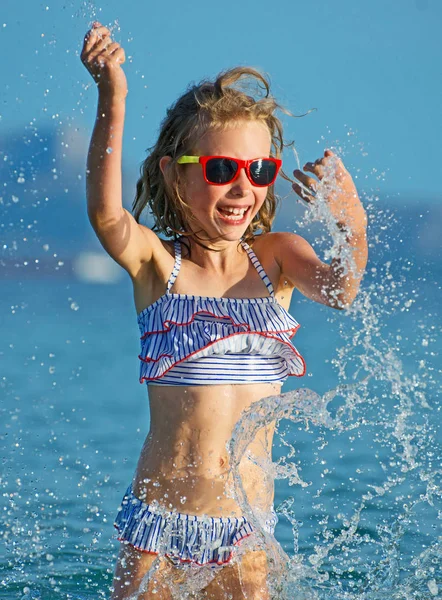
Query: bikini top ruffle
point(194, 340)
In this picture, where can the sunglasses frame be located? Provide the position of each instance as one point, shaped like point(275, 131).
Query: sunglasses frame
point(242, 164)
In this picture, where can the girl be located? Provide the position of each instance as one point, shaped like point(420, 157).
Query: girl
point(213, 315)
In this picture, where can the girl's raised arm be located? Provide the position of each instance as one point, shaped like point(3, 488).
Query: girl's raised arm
point(331, 284)
point(127, 242)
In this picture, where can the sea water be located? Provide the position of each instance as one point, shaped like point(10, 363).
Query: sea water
point(357, 450)
point(358, 466)
point(357, 453)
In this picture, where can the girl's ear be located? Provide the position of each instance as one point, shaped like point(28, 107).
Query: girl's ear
point(164, 162)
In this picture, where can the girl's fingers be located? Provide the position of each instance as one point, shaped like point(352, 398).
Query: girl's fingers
point(99, 30)
point(107, 52)
point(96, 33)
point(119, 55)
point(308, 182)
point(306, 188)
point(317, 168)
point(111, 48)
point(102, 48)
point(103, 58)
point(94, 36)
point(96, 60)
point(114, 51)
point(303, 192)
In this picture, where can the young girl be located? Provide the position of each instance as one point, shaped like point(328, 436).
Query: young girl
point(213, 315)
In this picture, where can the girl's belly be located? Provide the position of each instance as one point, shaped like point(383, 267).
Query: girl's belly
point(184, 463)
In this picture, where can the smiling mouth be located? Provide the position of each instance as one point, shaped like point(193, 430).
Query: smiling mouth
point(234, 214)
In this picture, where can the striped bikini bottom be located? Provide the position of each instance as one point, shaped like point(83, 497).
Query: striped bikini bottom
point(183, 539)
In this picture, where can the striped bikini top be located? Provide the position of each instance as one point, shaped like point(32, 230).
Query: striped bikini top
point(197, 340)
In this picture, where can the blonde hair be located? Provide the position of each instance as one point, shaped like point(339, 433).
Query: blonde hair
point(207, 105)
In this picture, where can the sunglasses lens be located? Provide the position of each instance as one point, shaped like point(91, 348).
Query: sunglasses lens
point(221, 170)
point(263, 171)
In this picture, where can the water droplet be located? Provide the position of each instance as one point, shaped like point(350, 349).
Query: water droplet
point(109, 150)
point(433, 587)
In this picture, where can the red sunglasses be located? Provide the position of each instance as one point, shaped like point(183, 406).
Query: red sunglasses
point(219, 170)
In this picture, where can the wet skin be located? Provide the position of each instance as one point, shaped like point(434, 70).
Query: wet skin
point(184, 462)
point(184, 454)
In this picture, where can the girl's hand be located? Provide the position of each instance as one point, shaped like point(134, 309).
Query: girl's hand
point(103, 59)
point(337, 186)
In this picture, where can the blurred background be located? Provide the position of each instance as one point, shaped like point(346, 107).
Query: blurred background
point(74, 416)
point(370, 69)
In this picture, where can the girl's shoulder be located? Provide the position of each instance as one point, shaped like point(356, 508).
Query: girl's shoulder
point(279, 243)
point(287, 252)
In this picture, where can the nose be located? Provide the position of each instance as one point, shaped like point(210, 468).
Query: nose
point(242, 185)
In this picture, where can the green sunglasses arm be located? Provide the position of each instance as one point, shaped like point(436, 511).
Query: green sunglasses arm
point(184, 160)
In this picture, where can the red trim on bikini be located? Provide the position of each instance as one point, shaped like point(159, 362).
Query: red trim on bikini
point(187, 560)
point(263, 334)
point(168, 322)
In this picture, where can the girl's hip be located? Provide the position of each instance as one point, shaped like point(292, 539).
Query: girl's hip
point(183, 538)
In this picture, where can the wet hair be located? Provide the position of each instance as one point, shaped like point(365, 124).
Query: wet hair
point(239, 94)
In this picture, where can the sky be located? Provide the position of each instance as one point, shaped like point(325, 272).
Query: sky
point(371, 69)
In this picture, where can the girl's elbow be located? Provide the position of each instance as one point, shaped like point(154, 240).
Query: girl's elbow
point(341, 300)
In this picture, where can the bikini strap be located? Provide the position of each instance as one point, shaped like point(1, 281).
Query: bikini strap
point(176, 266)
point(258, 266)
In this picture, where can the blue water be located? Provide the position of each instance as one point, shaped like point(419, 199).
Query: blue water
point(74, 418)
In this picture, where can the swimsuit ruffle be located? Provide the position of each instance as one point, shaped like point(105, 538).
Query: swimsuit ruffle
point(207, 327)
point(184, 539)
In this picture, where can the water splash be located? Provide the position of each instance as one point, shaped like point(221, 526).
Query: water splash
point(364, 541)
point(355, 559)
point(360, 529)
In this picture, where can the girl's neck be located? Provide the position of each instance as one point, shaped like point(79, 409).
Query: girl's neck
point(220, 255)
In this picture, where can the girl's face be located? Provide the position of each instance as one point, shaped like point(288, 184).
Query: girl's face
point(212, 205)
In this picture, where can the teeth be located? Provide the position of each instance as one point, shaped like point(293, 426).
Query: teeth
point(235, 211)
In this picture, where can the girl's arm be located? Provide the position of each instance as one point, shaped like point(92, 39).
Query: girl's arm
point(127, 242)
point(335, 284)
point(325, 283)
